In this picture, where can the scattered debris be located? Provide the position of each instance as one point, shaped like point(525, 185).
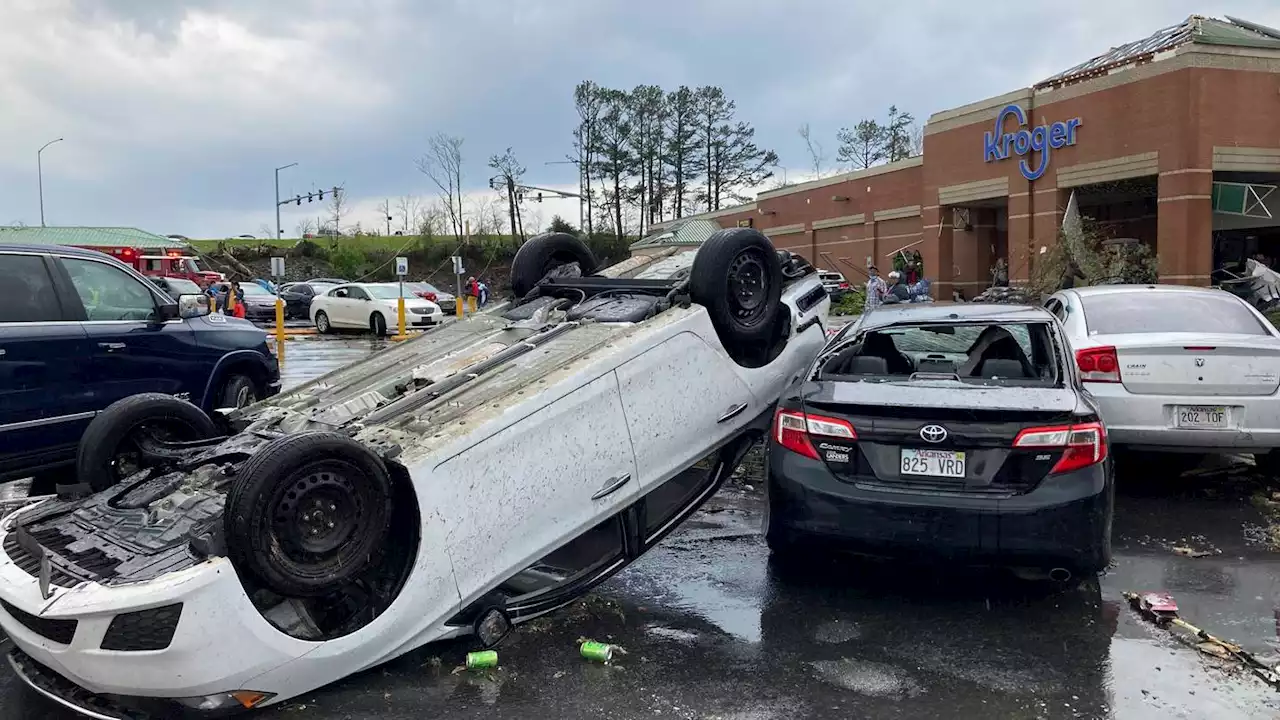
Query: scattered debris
point(479, 660)
point(598, 651)
point(1193, 553)
point(1161, 609)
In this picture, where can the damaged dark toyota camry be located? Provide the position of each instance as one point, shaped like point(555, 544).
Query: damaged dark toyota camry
point(945, 431)
point(481, 475)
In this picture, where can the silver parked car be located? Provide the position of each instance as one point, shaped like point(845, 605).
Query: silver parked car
point(1177, 368)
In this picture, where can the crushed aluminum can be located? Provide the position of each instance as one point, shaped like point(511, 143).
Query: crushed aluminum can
point(598, 651)
point(482, 659)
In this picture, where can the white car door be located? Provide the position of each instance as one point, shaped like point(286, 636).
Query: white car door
point(356, 307)
point(559, 474)
point(681, 397)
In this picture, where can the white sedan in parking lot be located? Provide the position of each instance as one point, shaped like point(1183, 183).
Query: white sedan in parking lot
point(370, 306)
point(1177, 368)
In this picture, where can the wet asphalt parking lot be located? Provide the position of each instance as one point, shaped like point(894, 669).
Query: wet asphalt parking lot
point(714, 629)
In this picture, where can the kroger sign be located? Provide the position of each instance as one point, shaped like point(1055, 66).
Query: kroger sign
point(999, 145)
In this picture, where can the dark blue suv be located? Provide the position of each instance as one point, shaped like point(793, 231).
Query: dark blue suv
point(80, 330)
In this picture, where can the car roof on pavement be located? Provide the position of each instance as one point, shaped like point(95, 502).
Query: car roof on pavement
point(1116, 289)
point(936, 312)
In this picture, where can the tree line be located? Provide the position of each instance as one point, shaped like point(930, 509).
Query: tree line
point(648, 155)
point(868, 143)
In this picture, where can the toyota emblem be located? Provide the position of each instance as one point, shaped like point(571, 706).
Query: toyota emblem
point(933, 433)
point(1199, 362)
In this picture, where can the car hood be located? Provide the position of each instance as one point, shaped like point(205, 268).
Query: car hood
point(410, 303)
point(228, 333)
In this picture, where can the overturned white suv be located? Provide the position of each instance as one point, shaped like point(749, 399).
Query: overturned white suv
point(484, 474)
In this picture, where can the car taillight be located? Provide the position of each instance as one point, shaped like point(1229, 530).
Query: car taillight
point(430, 296)
point(792, 428)
point(1098, 365)
point(844, 286)
point(1082, 445)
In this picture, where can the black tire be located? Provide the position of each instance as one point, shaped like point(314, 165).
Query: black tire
point(542, 254)
point(1268, 463)
point(308, 513)
point(106, 447)
point(738, 278)
point(378, 324)
point(323, 326)
point(237, 391)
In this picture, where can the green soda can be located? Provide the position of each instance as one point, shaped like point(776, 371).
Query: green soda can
point(598, 651)
point(482, 659)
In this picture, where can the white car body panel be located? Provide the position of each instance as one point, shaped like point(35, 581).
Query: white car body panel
point(1162, 371)
point(599, 402)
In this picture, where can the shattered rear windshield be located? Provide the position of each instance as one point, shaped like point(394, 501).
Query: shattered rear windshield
point(982, 353)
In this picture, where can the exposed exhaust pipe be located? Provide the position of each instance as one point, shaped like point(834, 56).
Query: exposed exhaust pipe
point(1060, 575)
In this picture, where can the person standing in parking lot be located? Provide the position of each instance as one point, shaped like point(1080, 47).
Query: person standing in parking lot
point(876, 289)
point(235, 298)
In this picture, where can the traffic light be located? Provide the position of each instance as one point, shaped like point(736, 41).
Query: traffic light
point(539, 197)
point(320, 196)
point(311, 197)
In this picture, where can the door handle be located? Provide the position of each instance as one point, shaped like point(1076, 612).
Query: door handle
point(732, 413)
point(112, 347)
point(611, 486)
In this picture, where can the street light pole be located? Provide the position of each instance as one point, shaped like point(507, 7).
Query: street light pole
point(282, 167)
point(40, 176)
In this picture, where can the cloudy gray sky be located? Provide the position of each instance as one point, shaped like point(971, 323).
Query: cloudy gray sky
point(175, 112)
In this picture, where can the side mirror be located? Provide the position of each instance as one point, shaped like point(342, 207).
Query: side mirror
point(191, 306)
point(166, 311)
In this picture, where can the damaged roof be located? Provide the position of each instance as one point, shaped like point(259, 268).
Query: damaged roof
point(681, 232)
point(1196, 29)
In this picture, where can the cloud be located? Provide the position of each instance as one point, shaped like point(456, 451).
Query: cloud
point(175, 113)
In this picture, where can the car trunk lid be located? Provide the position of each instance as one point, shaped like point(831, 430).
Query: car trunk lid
point(938, 437)
point(1196, 364)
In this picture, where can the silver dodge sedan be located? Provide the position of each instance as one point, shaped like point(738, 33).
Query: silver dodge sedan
point(1177, 368)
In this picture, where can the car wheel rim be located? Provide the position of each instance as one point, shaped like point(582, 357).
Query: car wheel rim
point(748, 286)
point(318, 512)
point(245, 397)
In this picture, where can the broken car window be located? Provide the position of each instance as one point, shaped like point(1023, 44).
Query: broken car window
point(985, 353)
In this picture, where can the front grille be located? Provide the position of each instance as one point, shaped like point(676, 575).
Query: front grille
point(421, 311)
point(143, 630)
point(30, 564)
point(59, 631)
point(48, 681)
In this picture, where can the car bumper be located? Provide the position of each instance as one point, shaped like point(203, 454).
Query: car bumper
point(1064, 522)
point(1146, 421)
point(422, 320)
point(220, 644)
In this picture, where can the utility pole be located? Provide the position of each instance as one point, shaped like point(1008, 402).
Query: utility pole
point(388, 207)
point(40, 176)
point(582, 210)
point(283, 167)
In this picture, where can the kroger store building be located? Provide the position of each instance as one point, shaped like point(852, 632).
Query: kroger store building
point(1173, 140)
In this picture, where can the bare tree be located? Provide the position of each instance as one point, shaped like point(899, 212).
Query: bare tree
point(429, 220)
point(509, 173)
point(407, 207)
point(266, 232)
point(385, 208)
point(337, 209)
point(305, 227)
point(443, 164)
point(917, 140)
point(817, 156)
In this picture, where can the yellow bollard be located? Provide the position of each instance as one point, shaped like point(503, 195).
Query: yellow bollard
point(457, 307)
point(279, 321)
point(280, 343)
point(400, 315)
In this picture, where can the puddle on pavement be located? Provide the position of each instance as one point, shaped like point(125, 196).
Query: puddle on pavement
point(868, 678)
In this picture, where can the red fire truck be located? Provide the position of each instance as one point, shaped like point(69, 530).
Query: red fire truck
point(164, 263)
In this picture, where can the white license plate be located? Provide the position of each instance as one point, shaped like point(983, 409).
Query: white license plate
point(934, 463)
point(1201, 417)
